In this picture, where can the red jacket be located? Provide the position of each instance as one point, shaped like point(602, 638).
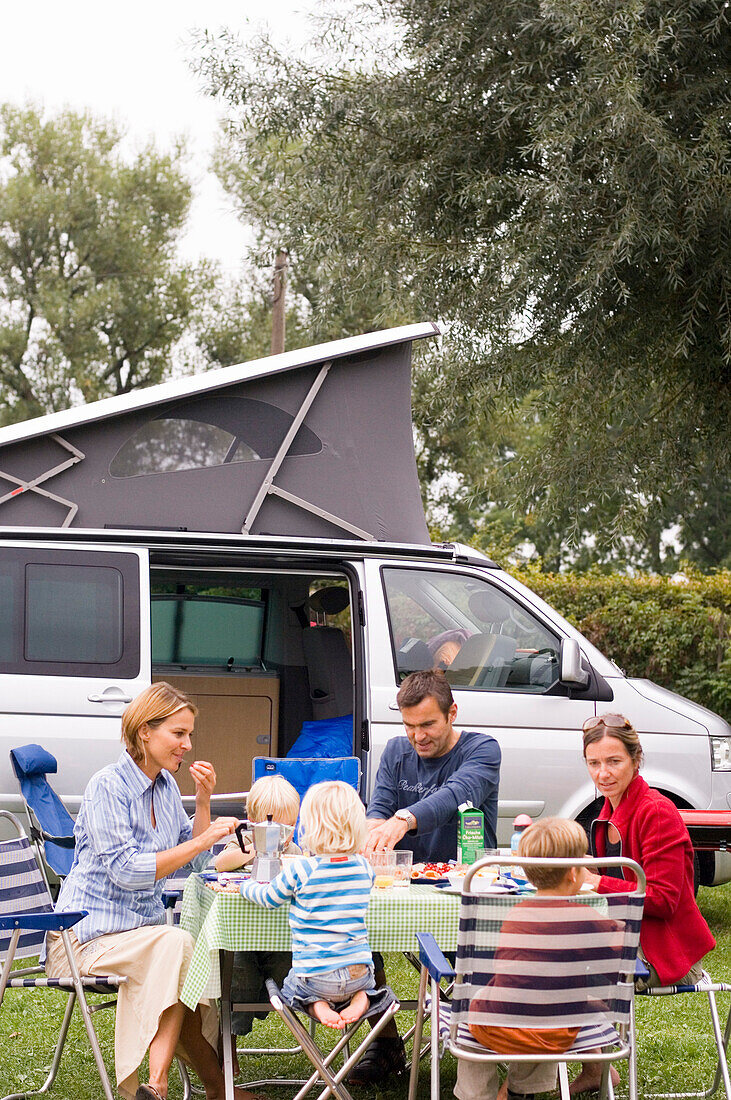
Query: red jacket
point(674, 936)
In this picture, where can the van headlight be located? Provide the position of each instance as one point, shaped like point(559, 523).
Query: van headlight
point(721, 754)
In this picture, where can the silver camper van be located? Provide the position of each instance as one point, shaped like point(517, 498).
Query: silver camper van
point(255, 535)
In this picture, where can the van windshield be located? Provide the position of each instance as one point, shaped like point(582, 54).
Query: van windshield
point(482, 638)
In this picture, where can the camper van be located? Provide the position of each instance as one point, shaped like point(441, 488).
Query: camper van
point(255, 536)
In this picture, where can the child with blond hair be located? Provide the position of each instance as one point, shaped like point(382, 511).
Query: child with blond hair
point(271, 794)
point(549, 838)
point(332, 976)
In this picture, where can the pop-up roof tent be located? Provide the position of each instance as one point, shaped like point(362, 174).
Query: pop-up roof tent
point(315, 442)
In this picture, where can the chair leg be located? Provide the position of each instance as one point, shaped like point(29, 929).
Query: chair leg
point(632, 1062)
point(418, 1029)
point(313, 1053)
point(563, 1081)
point(57, 1055)
point(434, 1068)
point(721, 1046)
point(86, 1014)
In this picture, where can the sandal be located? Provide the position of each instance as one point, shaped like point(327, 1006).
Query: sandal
point(147, 1092)
point(382, 1058)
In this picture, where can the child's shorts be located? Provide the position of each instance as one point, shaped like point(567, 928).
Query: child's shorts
point(337, 987)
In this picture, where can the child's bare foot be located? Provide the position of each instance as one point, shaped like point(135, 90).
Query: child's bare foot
point(328, 1016)
point(356, 1008)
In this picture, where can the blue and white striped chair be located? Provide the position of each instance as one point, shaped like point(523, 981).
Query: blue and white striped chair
point(26, 914)
point(535, 964)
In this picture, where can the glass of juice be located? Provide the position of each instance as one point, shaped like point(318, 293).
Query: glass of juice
point(384, 867)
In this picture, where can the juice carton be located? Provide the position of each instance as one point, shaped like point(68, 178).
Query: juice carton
point(471, 834)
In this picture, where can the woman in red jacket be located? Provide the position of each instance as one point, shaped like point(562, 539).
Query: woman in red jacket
point(642, 824)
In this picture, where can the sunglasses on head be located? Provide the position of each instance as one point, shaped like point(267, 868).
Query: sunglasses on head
point(611, 721)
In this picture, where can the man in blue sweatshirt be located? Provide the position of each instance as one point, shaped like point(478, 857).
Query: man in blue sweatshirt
point(422, 780)
point(424, 777)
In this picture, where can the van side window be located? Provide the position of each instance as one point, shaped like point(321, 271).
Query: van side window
point(69, 613)
point(88, 596)
point(482, 638)
point(194, 629)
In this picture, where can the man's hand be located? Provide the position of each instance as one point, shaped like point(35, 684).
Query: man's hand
point(204, 777)
point(384, 835)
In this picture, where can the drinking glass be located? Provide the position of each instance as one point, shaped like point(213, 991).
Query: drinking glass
point(384, 866)
point(402, 872)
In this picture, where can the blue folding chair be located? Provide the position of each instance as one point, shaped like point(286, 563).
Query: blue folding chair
point(26, 914)
point(302, 772)
point(50, 825)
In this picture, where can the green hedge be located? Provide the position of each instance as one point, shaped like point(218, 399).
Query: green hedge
point(676, 632)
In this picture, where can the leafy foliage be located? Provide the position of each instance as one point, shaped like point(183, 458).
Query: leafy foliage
point(676, 632)
point(92, 297)
point(551, 179)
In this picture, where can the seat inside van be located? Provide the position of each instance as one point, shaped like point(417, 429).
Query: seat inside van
point(259, 653)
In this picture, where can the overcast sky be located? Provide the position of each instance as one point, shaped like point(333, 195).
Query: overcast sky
point(130, 61)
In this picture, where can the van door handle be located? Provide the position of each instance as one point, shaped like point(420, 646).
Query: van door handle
point(109, 698)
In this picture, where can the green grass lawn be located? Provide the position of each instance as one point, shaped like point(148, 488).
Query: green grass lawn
point(675, 1045)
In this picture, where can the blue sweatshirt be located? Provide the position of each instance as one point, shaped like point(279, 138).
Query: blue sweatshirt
point(434, 788)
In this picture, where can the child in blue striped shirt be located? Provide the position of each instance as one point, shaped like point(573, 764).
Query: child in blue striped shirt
point(332, 976)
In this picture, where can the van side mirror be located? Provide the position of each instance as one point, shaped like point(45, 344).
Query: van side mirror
point(572, 672)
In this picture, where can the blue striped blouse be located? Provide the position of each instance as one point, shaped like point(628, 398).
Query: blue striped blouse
point(113, 873)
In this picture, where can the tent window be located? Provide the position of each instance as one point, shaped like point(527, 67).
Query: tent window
point(203, 433)
point(163, 446)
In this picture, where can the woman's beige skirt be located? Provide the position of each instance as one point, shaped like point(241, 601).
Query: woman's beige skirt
point(155, 961)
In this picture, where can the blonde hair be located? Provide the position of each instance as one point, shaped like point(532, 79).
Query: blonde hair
point(151, 707)
point(552, 838)
point(332, 819)
point(272, 794)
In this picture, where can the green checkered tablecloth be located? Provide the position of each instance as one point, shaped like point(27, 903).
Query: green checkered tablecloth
point(227, 922)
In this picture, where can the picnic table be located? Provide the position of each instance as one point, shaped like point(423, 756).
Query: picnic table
point(223, 922)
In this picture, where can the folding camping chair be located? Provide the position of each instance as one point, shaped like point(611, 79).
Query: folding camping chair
point(50, 825)
point(528, 963)
point(709, 987)
point(26, 914)
point(322, 1061)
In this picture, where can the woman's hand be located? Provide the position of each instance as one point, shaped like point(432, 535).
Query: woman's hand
point(204, 777)
point(217, 830)
point(591, 879)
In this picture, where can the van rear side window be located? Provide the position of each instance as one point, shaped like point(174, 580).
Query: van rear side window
point(55, 596)
point(69, 613)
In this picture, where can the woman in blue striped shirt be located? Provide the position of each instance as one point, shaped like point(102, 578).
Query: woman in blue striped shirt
point(131, 833)
point(332, 974)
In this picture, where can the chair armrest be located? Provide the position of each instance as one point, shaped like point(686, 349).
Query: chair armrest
point(641, 971)
point(60, 841)
point(432, 958)
point(48, 922)
point(170, 897)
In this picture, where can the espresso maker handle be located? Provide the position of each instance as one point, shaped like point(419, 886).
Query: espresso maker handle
point(240, 830)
